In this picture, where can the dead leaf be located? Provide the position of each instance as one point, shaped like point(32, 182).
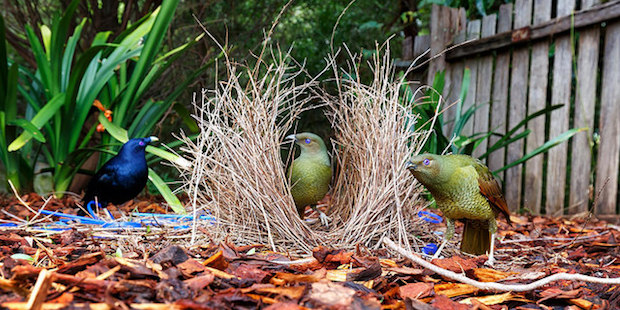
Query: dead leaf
point(584, 304)
point(454, 289)
point(456, 264)
point(491, 299)
point(291, 292)
point(444, 303)
point(388, 263)
point(556, 293)
point(220, 274)
point(284, 306)
point(490, 275)
point(298, 278)
point(199, 282)
point(263, 299)
point(190, 267)
point(216, 261)
point(416, 290)
point(325, 255)
point(331, 294)
point(406, 271)
point(249, 272)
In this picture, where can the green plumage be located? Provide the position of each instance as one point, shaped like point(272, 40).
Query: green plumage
point(464, 189)
point(310, 173)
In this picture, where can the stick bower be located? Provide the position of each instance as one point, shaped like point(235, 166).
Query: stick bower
point(239, 177)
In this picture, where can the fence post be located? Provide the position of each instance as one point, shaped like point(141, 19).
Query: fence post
point(517, 106)
point(585, 99)
point(499, 101)
point(609, 147)
point(485, 80)
point(537, 101)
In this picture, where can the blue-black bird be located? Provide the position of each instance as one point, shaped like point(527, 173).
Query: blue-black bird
point(123, 176)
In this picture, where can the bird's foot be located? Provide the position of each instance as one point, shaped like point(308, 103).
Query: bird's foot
point(324, 219)
point(311, 221)
point(490, 262)
point(438, 252)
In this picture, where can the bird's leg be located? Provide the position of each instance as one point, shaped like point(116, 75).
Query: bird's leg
point(446, 237)
point(492, 230)
point(324, 218)
point(491, 260)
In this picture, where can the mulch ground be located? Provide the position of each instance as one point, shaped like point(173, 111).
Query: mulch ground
point(72, 269)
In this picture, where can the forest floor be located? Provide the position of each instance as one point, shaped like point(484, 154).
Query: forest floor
point(47, 267)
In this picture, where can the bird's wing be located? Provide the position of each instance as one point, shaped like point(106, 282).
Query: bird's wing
point(491, 189)
point(106, 175)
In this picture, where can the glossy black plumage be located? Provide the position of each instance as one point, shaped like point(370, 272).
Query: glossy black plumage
point(122, 177)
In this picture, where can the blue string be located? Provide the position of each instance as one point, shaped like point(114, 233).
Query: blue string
point(432, 218)
point(145, 219)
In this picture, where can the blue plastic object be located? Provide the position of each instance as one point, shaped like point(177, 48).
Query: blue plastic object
point(89, 208)
point(77, 218)
point(430, 217)
point(433, 218)
point(430, 249)
point(142, 219)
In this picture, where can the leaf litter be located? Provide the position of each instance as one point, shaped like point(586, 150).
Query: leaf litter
point(80, 267)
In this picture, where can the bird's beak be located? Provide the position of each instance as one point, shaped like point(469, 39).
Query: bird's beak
point(153, 139)
point(411, 166)
point(291, 137)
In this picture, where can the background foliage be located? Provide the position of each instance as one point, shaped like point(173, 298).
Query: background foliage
point(94, 30)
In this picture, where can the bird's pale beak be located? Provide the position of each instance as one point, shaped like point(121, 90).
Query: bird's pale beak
point(153, 139)
point(411, 166)
point(291, 137)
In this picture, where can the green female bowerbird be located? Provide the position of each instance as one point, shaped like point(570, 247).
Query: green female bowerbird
point(464, 189)
point(310, 173)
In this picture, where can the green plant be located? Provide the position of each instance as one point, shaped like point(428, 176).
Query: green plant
point(18, 168)
point(458, 143)
point(62, 90)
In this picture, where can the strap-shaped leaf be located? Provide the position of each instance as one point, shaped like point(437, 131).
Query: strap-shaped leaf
point(38, 121)
point(165, 191)
point(29, 127)
point(120, 134)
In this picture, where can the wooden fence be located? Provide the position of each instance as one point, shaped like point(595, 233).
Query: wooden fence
point(530, 55)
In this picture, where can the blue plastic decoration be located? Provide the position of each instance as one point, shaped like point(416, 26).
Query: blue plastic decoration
point(430, 249)
point(430, 217)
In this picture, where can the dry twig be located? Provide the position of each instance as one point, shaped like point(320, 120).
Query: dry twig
point(493, 286)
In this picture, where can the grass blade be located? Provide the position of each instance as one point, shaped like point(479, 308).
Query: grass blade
point(165, 191)
point(543, 148)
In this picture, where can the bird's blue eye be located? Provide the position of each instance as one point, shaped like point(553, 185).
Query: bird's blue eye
point(141, 143)
point(307, 140)
point(426, 161)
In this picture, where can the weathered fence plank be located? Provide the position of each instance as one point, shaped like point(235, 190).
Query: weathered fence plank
point(609, 147)
point(539, 75)
point(517, 106)
point(596, 15)
point(558, 123)
point(485, 80)
point(510, 69)
point(585, 99)
point(420, 46)
point(441, 28)
point(499, 102)
point(473, 32)
point(454, 76)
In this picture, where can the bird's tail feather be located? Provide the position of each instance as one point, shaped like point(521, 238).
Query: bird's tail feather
point(476, 237)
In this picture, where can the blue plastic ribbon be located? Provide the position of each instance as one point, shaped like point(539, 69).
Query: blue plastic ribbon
point(430, 217)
